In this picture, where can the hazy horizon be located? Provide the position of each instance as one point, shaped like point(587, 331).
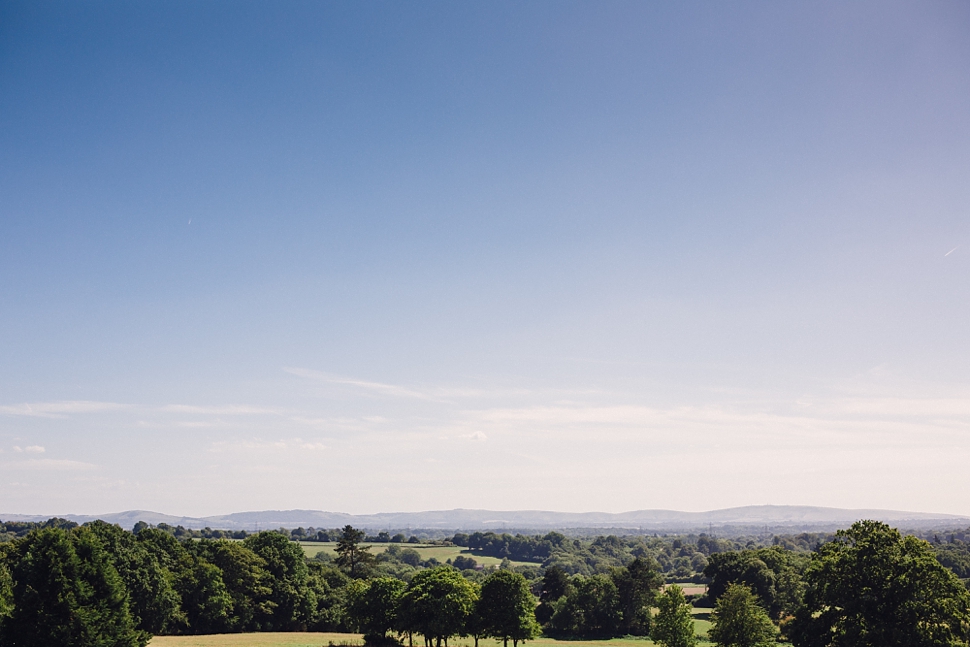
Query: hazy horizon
point(560, 256)
point(384, 512)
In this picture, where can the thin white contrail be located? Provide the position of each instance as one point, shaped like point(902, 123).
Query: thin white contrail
point(951, 251)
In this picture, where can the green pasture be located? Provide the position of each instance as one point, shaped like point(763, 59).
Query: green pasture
point(309, 639)
point(702, 621)
point(267, 639)
point(326, 639)
point(441, 553)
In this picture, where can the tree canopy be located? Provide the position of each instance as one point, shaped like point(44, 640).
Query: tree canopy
point(872, 587)
point(66, 593)
point(739, 621)
point(674, 624)
point(437, 604)
point(356, 559)
point(507, 607)
point(373, 605)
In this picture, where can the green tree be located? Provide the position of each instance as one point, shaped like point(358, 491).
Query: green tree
point(637, 587)
point(153, 602)
point(437, 604)
point(294, 602)
point(872, 587)
point(739, 621)
point(247, 582)
point(6, 585)
point(674, 624)
point(328, 584)
point(66, 593)
point(205, 605)
point(475, 624)
point(590, 608)
point(773, 574)
point(506, 607)
point(554, 584)
point(373, 607)
point(351, 555)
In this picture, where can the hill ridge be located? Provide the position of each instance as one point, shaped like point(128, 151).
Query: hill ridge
point(786, 516)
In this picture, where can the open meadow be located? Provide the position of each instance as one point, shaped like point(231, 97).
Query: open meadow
point(326, 639)
point(312, 639)
point(441, 553)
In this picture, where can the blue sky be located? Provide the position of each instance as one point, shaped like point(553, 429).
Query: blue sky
point(406, 256)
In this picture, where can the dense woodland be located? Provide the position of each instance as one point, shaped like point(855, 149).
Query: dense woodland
point(60, 582)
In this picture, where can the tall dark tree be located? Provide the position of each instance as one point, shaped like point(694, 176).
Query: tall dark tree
point(554, 584)
point(637, 587)
point(356, 559)
point(66, 593)
point(153, 602)
point(872, 587)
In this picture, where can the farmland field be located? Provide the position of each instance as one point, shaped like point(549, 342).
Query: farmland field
point(441, 553)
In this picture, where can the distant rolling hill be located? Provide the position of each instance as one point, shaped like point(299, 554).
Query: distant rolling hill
point(776, 517)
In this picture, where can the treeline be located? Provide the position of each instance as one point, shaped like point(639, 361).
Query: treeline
point(11, 530)
point(681, 558)
point(60, 582)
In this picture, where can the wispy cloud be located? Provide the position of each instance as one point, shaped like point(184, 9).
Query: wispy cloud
point(60, 409)
point(34, 449)
point(49, 464)
point(223, 410)
point(433, 393)
point(263, 446)
point(375, 387)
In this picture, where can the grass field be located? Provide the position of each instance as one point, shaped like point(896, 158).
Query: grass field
point(702, 621)
point(258, 640)
point(701, 625)
point(441, 553)
point(325, 639)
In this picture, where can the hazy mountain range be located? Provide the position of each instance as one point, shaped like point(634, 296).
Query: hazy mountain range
point(777, 517)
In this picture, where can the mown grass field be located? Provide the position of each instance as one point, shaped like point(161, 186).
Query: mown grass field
point(701, 625)
point(326, 639)
point(267, 639)
point(441, 553)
